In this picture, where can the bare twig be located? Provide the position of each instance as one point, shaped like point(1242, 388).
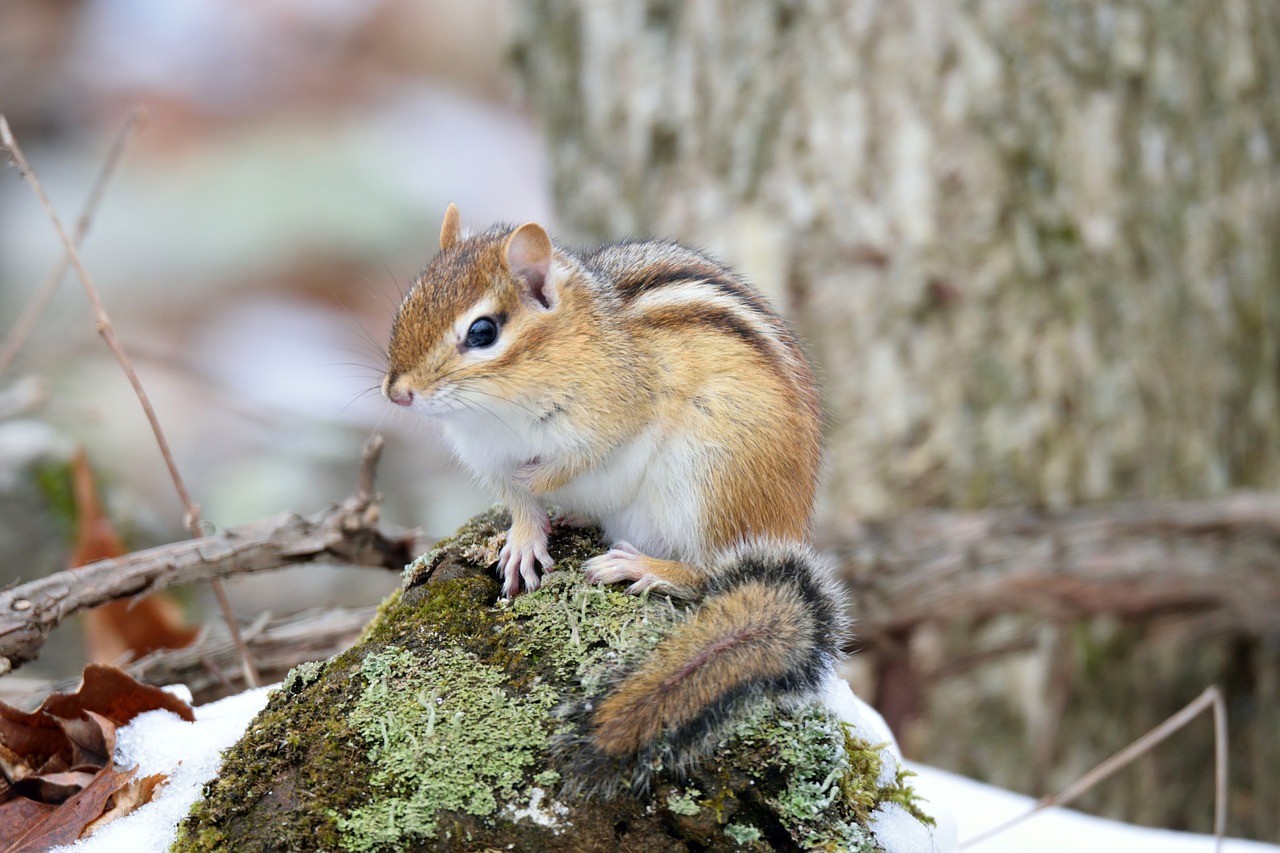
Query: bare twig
point(43, 294)
point(347, 533)
point(208, 668)
point(1210, 698)
point(107, 331)
point(368, 468)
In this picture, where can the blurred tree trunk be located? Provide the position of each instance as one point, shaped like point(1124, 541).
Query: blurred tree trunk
point(1034, 249)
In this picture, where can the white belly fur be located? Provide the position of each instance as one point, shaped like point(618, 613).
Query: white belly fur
point(645, 492)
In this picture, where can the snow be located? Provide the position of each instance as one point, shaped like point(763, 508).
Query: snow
point(980, 807)
point(898, 831)
point(190, 752)
point(895, 828)
point(162, 742)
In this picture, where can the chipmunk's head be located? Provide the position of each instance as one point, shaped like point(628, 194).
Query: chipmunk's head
point(469, 333)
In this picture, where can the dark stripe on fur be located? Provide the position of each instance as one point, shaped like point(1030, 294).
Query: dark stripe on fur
point(715, 319)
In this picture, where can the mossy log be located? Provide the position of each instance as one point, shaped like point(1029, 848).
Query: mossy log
point(436, 731)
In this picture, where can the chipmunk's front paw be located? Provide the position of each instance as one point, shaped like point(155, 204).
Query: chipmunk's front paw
point(623, 562)
point(518, 557)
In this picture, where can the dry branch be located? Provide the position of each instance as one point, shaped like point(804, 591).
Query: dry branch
point(347, 533)
point(211, 667)
point(1218, 559)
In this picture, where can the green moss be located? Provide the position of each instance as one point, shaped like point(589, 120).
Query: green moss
point(297, 732)
point(860, 784)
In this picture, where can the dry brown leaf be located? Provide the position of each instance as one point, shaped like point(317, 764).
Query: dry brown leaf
point(32, 735)
point(128, 799)
point(55, 788)
point(17, 816)
point(116, 695)
point(63, 824)
point(80, 728)
point(12, 767)
point(135, 628)
point(92, 739)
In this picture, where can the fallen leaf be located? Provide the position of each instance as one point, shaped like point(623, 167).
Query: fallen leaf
point(31, 735)
point(116, 695)
point(120, 628)
point(128, 799)
point(17, 816)
point(62, 824)
point(92, 738)
point(12, 767)
point(55, 788)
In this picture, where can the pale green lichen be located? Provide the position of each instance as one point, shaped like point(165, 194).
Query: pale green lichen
point(579, 629)
point(742, 833)
point(302, 675)
point(831, 776)
point(547, 778)
point(684, 803)
point(427, 752)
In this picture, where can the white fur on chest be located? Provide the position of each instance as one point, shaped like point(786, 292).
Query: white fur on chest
point(647, 491)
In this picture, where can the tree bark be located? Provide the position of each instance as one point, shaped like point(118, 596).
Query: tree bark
point(1031, 245)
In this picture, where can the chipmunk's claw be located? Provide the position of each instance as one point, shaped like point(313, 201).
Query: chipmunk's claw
point(622, 562)
point(519, 559)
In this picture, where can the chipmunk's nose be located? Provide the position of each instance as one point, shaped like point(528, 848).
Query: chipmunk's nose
point(396, 391)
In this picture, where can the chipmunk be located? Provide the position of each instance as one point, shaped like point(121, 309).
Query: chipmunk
point(646, 388)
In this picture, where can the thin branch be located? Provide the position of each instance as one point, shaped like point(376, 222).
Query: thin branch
point(43, 294)
point(107, 331)
point(368, 467)
point(347, 533)
point(1210, 698)
point(208, 667)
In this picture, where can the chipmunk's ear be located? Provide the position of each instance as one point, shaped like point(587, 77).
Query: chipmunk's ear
point(527, 256)
point(451, 228)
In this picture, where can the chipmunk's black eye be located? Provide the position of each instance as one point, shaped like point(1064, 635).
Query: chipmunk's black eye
point(483, 332)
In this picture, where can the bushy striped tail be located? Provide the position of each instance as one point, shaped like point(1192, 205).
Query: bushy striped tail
point(769, 628)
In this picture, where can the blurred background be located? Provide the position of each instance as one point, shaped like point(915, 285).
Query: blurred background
point(1033, 249)
point(286, 186)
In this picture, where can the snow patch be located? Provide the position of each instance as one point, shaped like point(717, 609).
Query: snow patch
point(191, 753)
point(543, 815)
point(898, 831)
